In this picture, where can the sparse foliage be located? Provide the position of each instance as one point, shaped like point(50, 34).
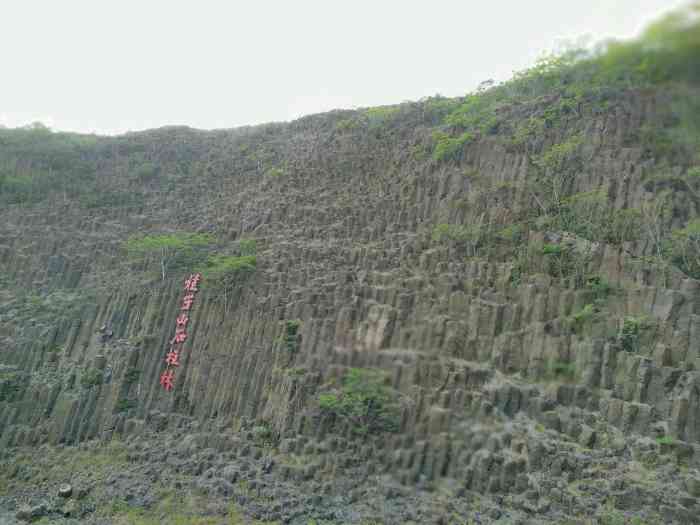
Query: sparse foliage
point(364, 400)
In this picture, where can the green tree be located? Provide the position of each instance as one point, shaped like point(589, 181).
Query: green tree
point(684, 249)
point(171, 249)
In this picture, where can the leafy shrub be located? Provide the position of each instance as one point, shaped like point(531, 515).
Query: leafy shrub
point(219, 268)
point(564, 261)
point(475, 113)
point(364, 401)
point(622, 225)
point(275, 172)
point(600, 287)
point(292, 337)
point(262, 434)
point(91, 377)
point(469, 237)
point(557, 155)
point(10, 383)
point(248, 247)
point(448, 147)
point(580, 318)
point(630, 333)
point(581, 213)
point(435, 109)
point(590, 216)
point(382, 114)
point(527, 130)
point(525, 261)
point(683, 249)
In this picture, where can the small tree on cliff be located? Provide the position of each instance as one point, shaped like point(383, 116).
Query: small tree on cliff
point(171, 249)
point(364, 400)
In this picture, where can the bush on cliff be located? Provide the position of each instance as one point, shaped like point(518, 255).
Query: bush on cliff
point(364, 401)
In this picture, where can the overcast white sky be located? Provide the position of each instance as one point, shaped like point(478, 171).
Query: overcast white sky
point(111, 66)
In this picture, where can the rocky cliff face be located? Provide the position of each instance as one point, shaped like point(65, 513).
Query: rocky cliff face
point(526, 361)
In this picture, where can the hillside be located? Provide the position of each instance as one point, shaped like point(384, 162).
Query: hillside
point(483, 309)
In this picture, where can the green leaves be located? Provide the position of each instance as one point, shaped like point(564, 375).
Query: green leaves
point(447, 147)
point(222, 273)
point(35, 161)
point(169, 241)
point(292, 337)
point(631, 331)
point(381, 115)
point(552, 249)
point(91, 377)
point(218, 267)
point(248, 246)
point(172, 250)
point(556, 156)
point(364, 401)
point(683, 248)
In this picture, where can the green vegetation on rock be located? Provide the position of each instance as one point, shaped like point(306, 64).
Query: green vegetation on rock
point(363, 401)
point(631, 332)
point(219, 270)
point(292, 337)
point(447, 147)
point(172, 251)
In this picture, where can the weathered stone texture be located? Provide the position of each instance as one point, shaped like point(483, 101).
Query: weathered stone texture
point(342, 246)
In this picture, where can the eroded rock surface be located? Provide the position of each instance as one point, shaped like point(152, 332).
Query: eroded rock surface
point(526, 393)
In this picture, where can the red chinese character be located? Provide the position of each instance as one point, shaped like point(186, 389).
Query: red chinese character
point(182, 319)
point(167, 378)
point(192, 282)
point(180, 337)
point(187, 301)
point(173, 358)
